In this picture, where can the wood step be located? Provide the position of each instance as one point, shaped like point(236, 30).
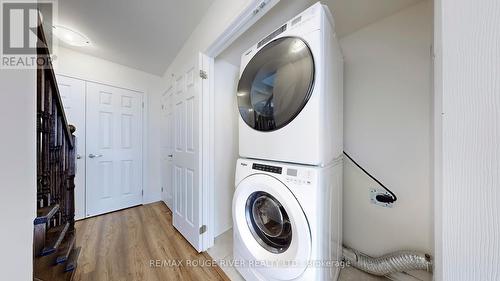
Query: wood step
point(39, 235)
point(41, 223)
point(45, 269)
point(55, 237)
point(72, 260)
point(66, 248)
point(45, 214)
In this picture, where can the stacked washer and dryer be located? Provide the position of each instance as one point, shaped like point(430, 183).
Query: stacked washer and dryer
point(287, 207)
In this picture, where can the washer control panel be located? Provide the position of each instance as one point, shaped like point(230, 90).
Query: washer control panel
point(303, 176)
point(267, 168)
point(288, 174)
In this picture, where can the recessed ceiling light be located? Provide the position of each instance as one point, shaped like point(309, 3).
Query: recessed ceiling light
point(70, 36)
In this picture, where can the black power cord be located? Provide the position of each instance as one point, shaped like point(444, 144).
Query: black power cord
point(380, 197)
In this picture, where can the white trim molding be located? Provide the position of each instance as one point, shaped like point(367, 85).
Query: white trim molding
point(250, 15)
point(242, 22)
point(468, 178)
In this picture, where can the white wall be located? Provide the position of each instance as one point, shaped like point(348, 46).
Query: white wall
point(86, 67)
point(468, 60)
point(17, 172)
point(226, 142)
point(387, 127)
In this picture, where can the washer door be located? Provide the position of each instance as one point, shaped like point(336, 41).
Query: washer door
point(276, 84)
point(273, 226)
point(269, 222)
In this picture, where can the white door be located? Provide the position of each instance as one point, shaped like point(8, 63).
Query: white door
point(187, 155)
point(114, 149)
point(73, 98)
point(167, 147)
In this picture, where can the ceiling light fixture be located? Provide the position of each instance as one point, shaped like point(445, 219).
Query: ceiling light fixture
point(71, 37)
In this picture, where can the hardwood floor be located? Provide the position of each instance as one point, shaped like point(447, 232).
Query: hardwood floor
point(139, 243)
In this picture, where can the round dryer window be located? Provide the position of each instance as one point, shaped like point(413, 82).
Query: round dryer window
point(276, 84)
point(268, 221)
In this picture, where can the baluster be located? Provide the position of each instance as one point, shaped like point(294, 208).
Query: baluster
point(63, 192)
point(53, 160)
point(46, 133)
point(71, 180)
point(39, 132)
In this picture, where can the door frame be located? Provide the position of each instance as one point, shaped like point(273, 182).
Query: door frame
point(249, 15)
point(144, 113)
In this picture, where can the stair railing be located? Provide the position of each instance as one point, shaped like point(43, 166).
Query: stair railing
point(55, 147)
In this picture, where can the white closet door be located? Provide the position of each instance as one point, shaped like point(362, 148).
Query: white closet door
point(187, 172)
point(73, 97)
point(167, 147)
point(114, 149)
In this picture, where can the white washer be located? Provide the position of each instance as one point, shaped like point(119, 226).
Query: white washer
point(290, 92)
point(287, 221)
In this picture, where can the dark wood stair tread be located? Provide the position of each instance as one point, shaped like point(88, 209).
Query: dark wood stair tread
point(72, 260)
point(45, 269)
point(43, 215)
point(65, 249)
point(55, 237)
point(59, 266)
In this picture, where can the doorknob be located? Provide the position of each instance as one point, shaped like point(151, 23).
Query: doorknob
point(170, 155)
point(78, 156)
point(95, 155)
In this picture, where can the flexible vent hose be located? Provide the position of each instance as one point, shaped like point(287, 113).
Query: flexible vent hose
point(400, 261)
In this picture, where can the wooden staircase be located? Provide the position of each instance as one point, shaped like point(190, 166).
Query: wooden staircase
point(54, 252)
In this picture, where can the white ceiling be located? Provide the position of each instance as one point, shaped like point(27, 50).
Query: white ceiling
point(145, 35)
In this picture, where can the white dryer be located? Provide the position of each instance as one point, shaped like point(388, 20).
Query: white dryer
point(290, 92)
point(287, 221)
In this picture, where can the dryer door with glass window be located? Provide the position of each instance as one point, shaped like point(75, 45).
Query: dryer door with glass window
point(276, 84)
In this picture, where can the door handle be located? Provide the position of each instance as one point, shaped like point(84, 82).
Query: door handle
point(171, 155)
point(78, 156)
point(95, 155)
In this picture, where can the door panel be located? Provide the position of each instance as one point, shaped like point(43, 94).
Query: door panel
point(178, 203)
point(73, 97)
point(187, 215)
point(114, 149)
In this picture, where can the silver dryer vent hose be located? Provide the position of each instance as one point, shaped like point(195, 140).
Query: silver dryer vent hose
point(400, 261)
